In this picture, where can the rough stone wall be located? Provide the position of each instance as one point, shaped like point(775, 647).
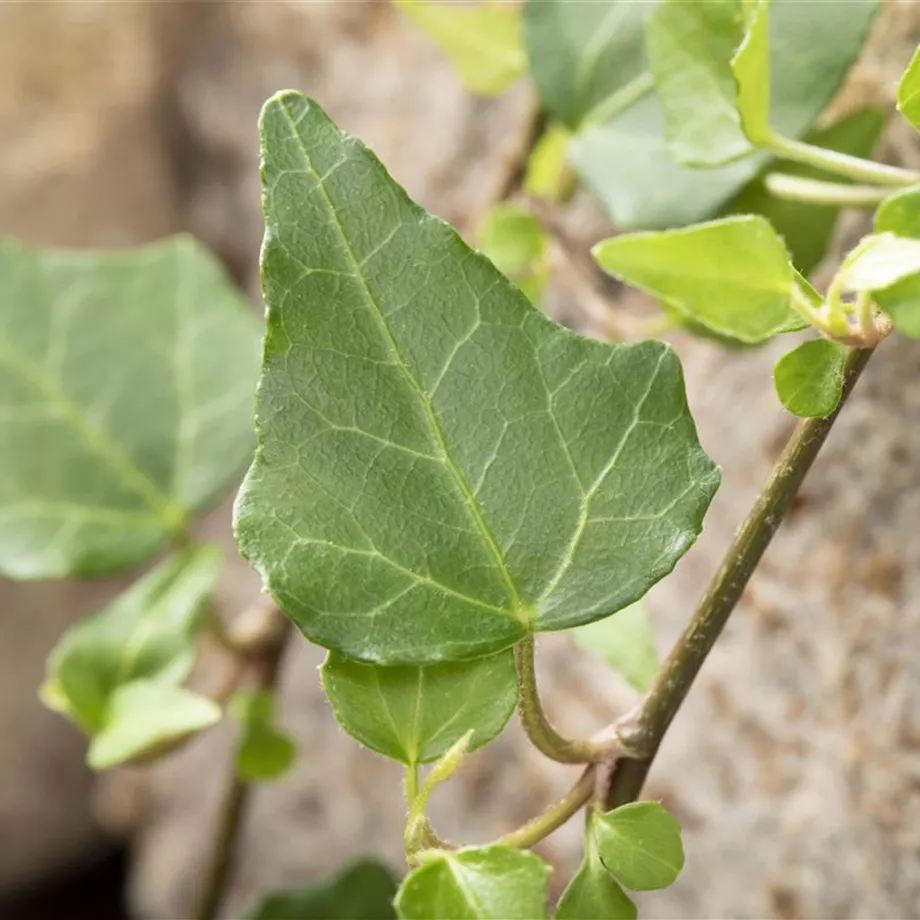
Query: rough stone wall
point(795, 765)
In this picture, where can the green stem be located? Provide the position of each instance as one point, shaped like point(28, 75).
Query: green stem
point(643, 731)
point(840, 163)
point(542, 735)
point(621, 100)
point(555, 816)
point(832, 194)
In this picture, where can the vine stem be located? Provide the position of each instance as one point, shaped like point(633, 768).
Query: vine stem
point(841, 164)
point(642, 731)
point(264, 663)
point(542, 735)
point(816, 191)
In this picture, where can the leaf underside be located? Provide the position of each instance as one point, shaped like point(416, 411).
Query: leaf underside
point(441, 468)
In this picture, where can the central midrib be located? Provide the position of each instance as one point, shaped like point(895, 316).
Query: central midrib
point(518, 606)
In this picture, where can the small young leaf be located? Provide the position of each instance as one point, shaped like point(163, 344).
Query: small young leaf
point(627, 643)
point(363, 891)
point(593, 894)
point(548, 173)
point(879, 261)
point(732, 275)
point(805, 228)
point(909, 91)
point(147, 633)
point(145, 719)
point(477, 883)
point(126, 382)
point(516, 243)
point(263, 752)
point(900, 214)
point(690, 46)
point(442, 469)
point(809, 379)
point(640, 844)
point(751, 67)
point(415, 715)
point(483, 41)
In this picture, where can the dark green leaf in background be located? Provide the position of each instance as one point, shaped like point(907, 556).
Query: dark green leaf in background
point(147, 633)
point(809, 379)
point(415, 714)
point(476, 883)
point(442, 469)
point(126, 382)
point(363, 891)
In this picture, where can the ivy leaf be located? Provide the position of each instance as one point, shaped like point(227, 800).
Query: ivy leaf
point(476, 883)
point(879, 261)
point(640, 844)
point(363, 891)
point(690, 45)
point(415, 715)
point(900, 214)
point(263, 753)
point(442, 469)
point(548, 173)
point(732, 275)
point(626, 642)
point(620, 151)
point(147, 633)
point(751, 67)
point(909, 91)
point(145, 719)
point(806, 228)
point(483, 42)
point(516, 243)
point(593, 894)
point(127, 402)
point(809, 379)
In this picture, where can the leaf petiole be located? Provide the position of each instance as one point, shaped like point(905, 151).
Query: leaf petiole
point(831, 194)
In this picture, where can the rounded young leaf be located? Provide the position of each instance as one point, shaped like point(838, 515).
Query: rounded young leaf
point(263, 752)
point(909, 91)
point(880, 261)
point(362, 891)
point(809, 379)
point(126, 391)
point(732, 275)
point(640, 844)
point(442, 469)
point(516, 243)
point(593, 893)
point(477, 883)
point(900, 214)
point(415, 714)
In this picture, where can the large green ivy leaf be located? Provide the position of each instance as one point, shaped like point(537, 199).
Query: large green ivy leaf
point(621, 152)
point(363, 891)
point(900, 214)
point(732, 275)
point(417, 714)
point(909, 91)
point(147, 633)
point(482, 41)
point(807, 228)
point(145, 719)
point(126, 383)
point(477, 883)
point(593, 893)
point(809, 379)
point(442, 469)
point(640, 844)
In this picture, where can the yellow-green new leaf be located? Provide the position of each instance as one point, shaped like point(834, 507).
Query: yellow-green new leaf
point(147, 633)
point(909, 91)
point(442, 469)
point(640, 844)
point(548, 172)
point(593, 893)
point(263, 752)
point(146, 719)
point(483, 41)
point(809, 379)
point(751, 67)
point(126, 397)
point(900, 214)
point(516, 243)
point(476, 883)
point(415, 715)
point(879, 261)
point(626, 642)
point(732, 275)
